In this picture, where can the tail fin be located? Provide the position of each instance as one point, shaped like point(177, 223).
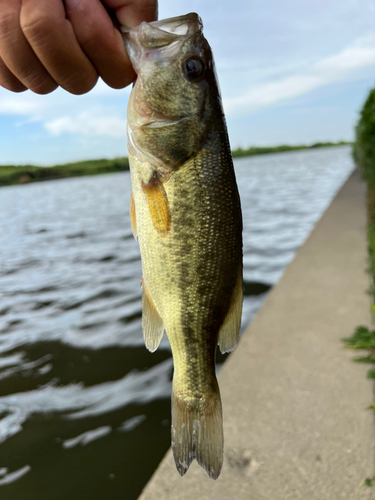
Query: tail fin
point(197, 432)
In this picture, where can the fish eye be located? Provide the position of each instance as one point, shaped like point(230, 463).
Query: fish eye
point(193, 68)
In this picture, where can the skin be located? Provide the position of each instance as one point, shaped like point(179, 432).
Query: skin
point(45, 44)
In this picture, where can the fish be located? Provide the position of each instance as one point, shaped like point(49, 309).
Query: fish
point(185, 212)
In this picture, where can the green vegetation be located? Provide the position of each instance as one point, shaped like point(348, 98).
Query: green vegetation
point(364, 154)
point(364, 146)
point(284, 148)
point(11, 174)
point(22, 174)
point(363, 339)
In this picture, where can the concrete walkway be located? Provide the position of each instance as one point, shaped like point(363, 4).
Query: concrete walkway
point(295, 419)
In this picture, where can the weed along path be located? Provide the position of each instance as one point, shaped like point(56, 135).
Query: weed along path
point(296, 422)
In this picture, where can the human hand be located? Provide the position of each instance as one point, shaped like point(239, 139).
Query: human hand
point(68, 43)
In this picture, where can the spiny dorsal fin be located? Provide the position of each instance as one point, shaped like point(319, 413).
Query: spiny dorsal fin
point(152, 324)
point(158, 204)
point(133, 220)
point(229, 331)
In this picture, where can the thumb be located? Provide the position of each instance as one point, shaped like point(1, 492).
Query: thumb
point(131, 13)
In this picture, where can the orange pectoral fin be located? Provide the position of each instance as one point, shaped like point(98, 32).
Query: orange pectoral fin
point(133, 220)
point(158, 204)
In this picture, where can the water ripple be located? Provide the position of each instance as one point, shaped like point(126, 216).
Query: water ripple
point(73, 366)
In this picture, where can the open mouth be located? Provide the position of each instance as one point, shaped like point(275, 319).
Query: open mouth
point(181, 25)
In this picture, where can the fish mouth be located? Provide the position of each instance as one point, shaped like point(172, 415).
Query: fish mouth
point(185, 25)
point(159, 39)
point(149, 118)
point(180, 25)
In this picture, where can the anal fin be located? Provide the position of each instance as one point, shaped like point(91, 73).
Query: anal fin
point(133, 220)
point(152, 324)
point(230, 329)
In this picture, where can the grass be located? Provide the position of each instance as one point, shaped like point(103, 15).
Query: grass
point(23, 174)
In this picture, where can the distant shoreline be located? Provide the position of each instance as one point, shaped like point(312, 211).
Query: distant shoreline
point(285, 148)
point(24, 174)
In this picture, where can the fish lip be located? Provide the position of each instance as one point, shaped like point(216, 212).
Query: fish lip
point(147, 119)
point(192, 20)
point(166, 122)
point(164, 34)
point(155, 119)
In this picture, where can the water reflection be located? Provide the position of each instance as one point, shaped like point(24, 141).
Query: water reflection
point(84, 407)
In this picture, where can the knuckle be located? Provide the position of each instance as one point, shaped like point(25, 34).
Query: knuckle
point(87, 41)
point(36, 26)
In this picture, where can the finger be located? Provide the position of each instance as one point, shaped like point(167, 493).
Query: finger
point(52, 38)
point(131, 13)
point(17, 55)
point(100, 41)
point(8, 80)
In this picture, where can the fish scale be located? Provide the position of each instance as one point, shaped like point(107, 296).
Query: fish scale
point(186, 213)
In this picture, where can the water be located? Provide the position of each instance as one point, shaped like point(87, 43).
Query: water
point(84, 407)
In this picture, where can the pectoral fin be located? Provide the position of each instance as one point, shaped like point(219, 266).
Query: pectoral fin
point(229, 331)
point(158, 204)
point(133, 220)
point(152, 324)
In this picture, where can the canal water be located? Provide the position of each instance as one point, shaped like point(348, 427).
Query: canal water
point(84, 407)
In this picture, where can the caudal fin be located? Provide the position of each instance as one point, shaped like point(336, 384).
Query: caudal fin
point(197, 432)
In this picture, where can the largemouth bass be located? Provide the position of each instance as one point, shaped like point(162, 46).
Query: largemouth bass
point(185, 211)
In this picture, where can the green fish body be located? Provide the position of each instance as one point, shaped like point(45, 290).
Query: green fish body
point(185, 211)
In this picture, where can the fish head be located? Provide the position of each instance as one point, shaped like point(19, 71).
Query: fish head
point(175, 94)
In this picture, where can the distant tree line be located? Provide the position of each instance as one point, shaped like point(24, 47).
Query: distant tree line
point(12, 174)
point(284, 147)
point(22, 174)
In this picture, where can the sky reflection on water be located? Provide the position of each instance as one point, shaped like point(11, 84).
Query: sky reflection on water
point(84, 407)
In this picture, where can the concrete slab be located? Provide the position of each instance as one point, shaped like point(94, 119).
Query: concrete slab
point(295, 419)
